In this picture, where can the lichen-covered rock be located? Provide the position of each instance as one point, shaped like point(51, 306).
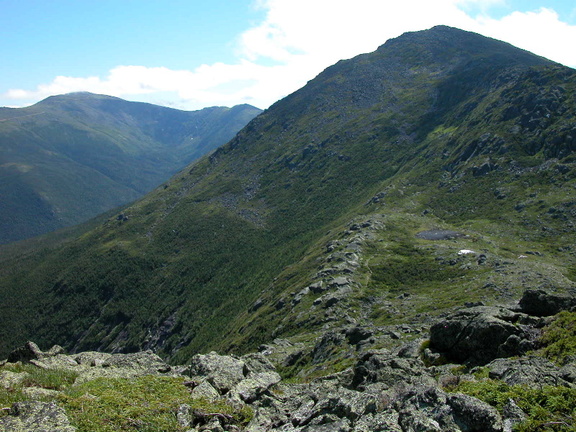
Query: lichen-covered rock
point(145, 361)
point(541, 303)
point(381, 366)
point(473, 415)
point(532, 371)
point(204, 390)
point(384, 421)
point(249, 389)
point(33, 416)
point(512, 414)
point(91, 365)
point(30, 351)
point(431, 409)
point(9, 379)
point(479, 334)
point(222, 372)
point(257, 363)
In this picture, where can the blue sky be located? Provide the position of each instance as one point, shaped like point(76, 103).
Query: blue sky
point(190, 54)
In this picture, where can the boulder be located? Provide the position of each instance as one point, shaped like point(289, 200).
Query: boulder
point(30, 351)
point(144, 361)
point(541, 303)
point(480, 334)
point(9, 379)
point(249, 389)
point(33, 416)
point(381, 366)
point(473, 415)
point(222, 372)
point(358, 334)
point(531, 371)
point(431, 409)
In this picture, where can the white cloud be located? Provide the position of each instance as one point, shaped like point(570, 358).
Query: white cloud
point(299, 38)
point(541, 32)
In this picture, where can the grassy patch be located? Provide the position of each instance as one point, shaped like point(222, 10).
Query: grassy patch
point(146, 403)
point(32, 376)
point(548, 408)
point(559, 337)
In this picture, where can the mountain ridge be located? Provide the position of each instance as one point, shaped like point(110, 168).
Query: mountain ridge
point(71, 157)
point(307, 219)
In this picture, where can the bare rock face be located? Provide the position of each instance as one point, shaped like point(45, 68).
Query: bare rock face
point(34, 416)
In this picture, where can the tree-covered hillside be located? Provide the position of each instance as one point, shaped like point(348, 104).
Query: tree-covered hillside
point(318, 213)
point(71, 157)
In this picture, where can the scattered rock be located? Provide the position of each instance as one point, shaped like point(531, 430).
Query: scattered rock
point(438, 234)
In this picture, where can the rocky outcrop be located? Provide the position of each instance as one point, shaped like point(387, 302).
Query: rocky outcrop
point(90, 365)
point(34, 416)
point(480, 334)
point(531, 371)
point(30, 351)
point(388, 369)
point(431, 409)
point(541, 303)
point(389, 390)
point(400, 389)
point(242, 379)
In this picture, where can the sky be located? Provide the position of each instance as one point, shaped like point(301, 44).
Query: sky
point(191, 54)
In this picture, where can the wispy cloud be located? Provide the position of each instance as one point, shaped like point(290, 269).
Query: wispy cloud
point(299, 38)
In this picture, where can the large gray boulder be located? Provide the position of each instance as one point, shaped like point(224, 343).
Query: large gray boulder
point(431, 409)
point(541, 303)
point(30, 351)
point(34, 416)
point(241, 379)
point(480, 334)
point(531, 371)
point(386, 368)
point(222, 372)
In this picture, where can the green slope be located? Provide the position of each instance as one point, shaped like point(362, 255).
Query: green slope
point(436, 129)
point(69, 158)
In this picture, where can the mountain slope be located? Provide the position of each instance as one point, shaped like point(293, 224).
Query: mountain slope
point(71, 157)
point(307, 219)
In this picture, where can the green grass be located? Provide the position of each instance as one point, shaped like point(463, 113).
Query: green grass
point(548, 408)
point(559, 338)
point(147, 403)
point(34, 376)
point(141, 404)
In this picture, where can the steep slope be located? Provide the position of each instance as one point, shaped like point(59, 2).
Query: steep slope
point(307, 219)
point(71, 157)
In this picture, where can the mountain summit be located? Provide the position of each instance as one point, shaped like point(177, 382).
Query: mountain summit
point(393, 187)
